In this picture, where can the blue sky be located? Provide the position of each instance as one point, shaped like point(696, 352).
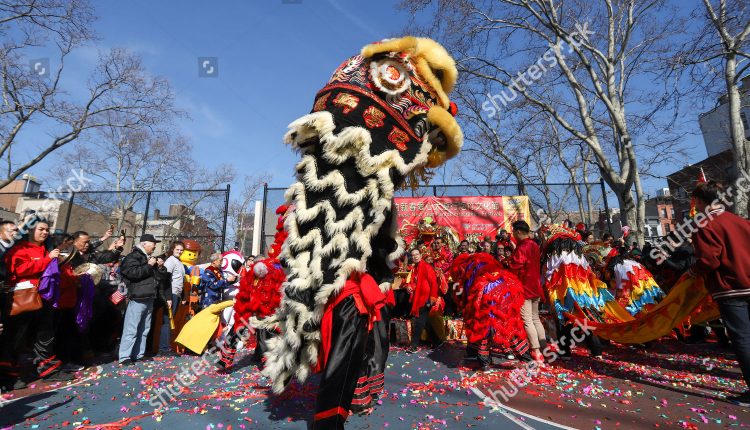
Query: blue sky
point(273, 56)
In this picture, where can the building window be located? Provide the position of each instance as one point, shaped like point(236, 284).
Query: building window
point(744, 122)
point(663, 213)
point(672, 211)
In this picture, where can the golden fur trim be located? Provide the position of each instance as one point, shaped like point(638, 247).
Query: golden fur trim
point(439, 59)
point(453, 135)
point(425, 73)
point(402, 44)
point(432, 61)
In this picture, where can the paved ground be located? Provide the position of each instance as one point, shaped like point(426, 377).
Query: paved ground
point(670, 385)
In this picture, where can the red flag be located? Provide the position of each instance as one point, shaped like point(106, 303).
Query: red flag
point(701, 179)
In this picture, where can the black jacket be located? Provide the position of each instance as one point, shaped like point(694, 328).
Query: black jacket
point(164, 284)
point(680, 260)
point(96, 257)
point(139, 276)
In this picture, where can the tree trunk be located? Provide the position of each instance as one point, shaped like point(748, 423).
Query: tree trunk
point(579, 196)
point(740, 145)
point(628, 209)
point(640, 212)
point(590, 206)
point(589, 202)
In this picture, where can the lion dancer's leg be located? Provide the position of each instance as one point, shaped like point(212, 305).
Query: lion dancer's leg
point(228, 350)
point(227, 315)
point(261, 344)
point(572, 335)
point(348, 338)
point(372, 377)
point(228, 347)
point(380, 356)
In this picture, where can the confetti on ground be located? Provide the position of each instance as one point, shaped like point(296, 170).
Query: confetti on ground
point(669, 385)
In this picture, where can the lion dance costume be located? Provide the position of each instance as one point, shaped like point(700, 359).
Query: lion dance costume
point(492, 311)
point(574, 290)
point(383, 117)
point(258, 297)
point(635, 287)
point(578, 295)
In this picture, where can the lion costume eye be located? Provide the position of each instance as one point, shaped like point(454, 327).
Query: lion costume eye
point(390, 76)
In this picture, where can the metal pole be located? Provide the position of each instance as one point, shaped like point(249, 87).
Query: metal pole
point(145, 214)
point(434, 190)
point(226, 216)
point(70, 208)
point(606, 206)
point(263, 218)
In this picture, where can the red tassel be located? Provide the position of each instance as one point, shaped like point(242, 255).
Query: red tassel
point(453, 109)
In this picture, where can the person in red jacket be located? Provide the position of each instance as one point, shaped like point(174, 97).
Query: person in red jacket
point(423, 290)
point(525, 263)
point(26, 262)
point(723, 260)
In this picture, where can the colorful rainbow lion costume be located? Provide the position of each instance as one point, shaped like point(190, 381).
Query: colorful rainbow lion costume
point(570, 283)
point(636, 289)
point(577, 294)
point(383, 117)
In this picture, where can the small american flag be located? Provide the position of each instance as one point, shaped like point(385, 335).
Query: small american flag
point(117, 297)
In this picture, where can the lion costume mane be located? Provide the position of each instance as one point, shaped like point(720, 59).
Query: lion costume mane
point(383, 116)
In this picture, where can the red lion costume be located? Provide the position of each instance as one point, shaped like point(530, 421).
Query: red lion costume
point(258, 297)
point(492, 310)
point(260, 288)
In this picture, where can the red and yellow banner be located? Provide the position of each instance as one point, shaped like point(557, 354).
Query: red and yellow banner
point(470, 218)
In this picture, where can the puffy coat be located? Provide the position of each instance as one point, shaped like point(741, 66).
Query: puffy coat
point(139, 276)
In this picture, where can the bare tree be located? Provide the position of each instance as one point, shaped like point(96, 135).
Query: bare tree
point(718, 58)
point(119, 93)
point(584, 61)
point(241, 209)
point(132, 162)
point(490, 157)
point(31, 22)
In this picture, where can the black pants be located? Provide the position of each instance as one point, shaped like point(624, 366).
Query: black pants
point(451, 308)
point(70, 344)
point(420, 323)
point(372, 378)
point(344, 367)
point(261, 346)
point(106, 322)
point(40, 326)
point(736, 315)
point(403, 305)
point(567, 340)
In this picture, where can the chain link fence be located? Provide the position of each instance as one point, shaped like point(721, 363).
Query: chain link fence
point(550, 203)
point(169, 215)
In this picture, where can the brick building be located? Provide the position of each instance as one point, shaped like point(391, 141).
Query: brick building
point(719, 167)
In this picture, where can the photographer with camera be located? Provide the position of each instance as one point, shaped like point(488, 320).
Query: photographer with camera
point(138, 270)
